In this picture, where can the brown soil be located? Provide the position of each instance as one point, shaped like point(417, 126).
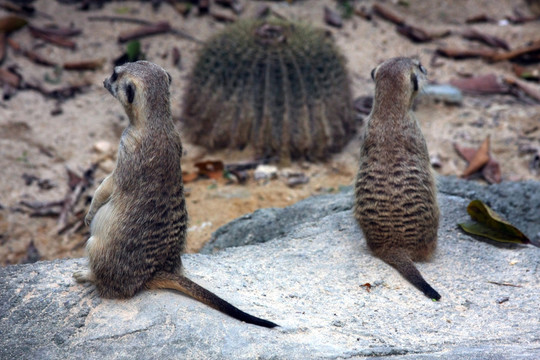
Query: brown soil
point(35, 142)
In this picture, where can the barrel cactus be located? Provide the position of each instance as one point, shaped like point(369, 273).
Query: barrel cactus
point(277, 86)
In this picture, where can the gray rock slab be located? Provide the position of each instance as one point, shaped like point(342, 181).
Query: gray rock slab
point(518, 202)
point(310, 281)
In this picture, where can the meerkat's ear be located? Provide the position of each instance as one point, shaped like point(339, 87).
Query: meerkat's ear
point(373, 74)
point(170, 78)
point(414, 80)
point(130, 92)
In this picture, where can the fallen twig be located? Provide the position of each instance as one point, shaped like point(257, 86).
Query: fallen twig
point(491, 40)
point(84, 65)
point(35, 57)
point(527, 89)
point(466, 53)
point(145, 30)
point(388, 14)
point(517, 52)
point(142, 22)
point(503, 284)
point(51, 38)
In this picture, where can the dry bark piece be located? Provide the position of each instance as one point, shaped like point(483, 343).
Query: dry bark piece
point(7, 77)
point(363, 12)
point(483, 84)
point(235, 5)
point(491, 40)
point(222, 16)
point(181, 7)
point(262, 11)
point(176, 57)
point(146, 30)
point(84, 65)
point(388, 14)
point(2, 46)
point(480, 18)
point(456, 53)
point(204, 7)
point(332, 18)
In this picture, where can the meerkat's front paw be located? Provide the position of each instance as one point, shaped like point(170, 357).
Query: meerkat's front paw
point(82, 276)
point(88, 219)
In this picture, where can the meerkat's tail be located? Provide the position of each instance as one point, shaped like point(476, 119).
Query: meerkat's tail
point(188, 287)
point(405, 266)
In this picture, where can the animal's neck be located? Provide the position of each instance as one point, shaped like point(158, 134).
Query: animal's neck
point(151, 118)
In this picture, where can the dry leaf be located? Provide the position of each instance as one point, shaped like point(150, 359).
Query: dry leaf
point(480, 158)
point(489, 224)
point(367, 286)
point(332, 18)
point(11, 23)
point(492, 172)
point(189, 177)
point(211, 169)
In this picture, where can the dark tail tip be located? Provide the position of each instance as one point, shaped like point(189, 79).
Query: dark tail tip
point(404, 265)
point(250, 319)
point(430, 292)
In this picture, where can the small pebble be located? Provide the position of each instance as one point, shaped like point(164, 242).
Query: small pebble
point(265, 172)
point(102, 147)
point(502, 299)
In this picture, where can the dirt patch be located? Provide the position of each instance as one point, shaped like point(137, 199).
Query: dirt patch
point(39, 140)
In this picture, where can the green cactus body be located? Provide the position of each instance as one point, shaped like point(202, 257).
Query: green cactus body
point(279, 87)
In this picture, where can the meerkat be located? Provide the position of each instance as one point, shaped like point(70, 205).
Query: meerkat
point(138, 218)
point(395, 193)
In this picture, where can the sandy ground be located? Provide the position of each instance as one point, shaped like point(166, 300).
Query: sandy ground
point(35, 142)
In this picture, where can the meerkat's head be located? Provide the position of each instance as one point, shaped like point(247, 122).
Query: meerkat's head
point(398, 81)
point(143, 89)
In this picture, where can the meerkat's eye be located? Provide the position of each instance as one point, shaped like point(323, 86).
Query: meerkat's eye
point(422, 69)
point(373, 74)
point(130, 93)
point(414, 80)
point(114, 76)
point(170, 78)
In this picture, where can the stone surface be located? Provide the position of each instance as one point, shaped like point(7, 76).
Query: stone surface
point(309, 279)
point(518, 202)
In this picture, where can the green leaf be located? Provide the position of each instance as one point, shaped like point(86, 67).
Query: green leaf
point(490, 225)
point(133, 50)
